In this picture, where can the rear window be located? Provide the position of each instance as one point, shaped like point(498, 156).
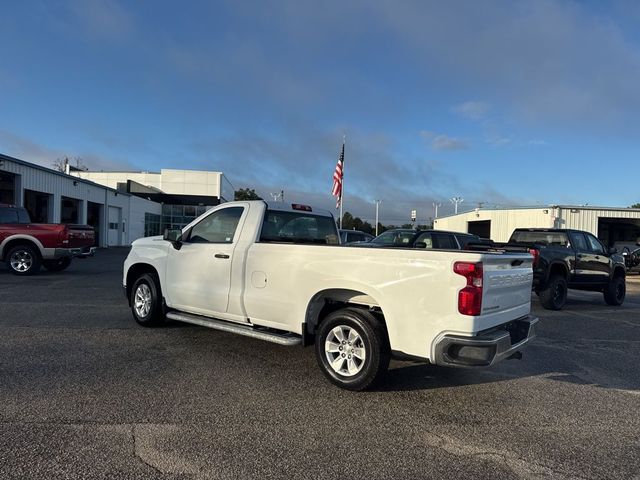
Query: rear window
point(295, 227)
point(544, 238)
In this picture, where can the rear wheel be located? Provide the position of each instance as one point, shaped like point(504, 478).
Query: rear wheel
point(352, 349)
point(146, 301)
point(555, 295)
point(57, 265)
point(23, 260)
point(615, 291)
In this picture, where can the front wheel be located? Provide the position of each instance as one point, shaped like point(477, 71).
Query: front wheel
point(146, 301)
point(57, 265)
point(23, 260)
point(615, 291)
point(555, 295)
point(352, 348)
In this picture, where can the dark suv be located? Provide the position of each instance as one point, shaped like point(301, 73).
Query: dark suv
point(429, 239)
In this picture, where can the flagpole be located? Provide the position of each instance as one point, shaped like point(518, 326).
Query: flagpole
point(342, 188)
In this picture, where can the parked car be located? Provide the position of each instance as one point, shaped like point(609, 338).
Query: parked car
point(429, 239)
point(631, 257)
point(272, 271)
point(570, 259)
point(350, 236)
point(25, 246)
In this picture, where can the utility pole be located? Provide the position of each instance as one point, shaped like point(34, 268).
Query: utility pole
point(456, 201)
point(378, 202)
point(435, 206)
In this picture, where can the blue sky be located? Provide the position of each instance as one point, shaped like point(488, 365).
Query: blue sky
point(508, 103)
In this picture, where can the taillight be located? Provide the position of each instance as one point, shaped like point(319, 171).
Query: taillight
point(536, 254)
point(63, 237)
point(470, 297)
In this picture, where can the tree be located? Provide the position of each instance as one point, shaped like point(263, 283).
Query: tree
point(635, 205)
point(61, 164)
point(246, 194)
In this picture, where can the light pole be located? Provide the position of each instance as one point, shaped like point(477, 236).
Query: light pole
point(435, 206)
point(278, 195)
point(456, 201)
point(378, 202)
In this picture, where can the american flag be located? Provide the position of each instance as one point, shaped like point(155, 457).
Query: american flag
point(336, 191)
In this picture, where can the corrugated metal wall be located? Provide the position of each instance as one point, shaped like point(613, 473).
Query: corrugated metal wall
point(59, 185)
point(503, 222)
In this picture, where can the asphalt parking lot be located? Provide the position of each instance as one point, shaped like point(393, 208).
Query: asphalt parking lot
point(86, 393)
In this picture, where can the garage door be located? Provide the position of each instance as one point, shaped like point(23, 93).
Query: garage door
point(115, 222)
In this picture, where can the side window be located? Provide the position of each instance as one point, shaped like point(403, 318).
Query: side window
point(426, 239)
point(594, 244)
point(444, 241)
point(579, 242)
point(356, 237)
point(219, 227)
point(8, 215)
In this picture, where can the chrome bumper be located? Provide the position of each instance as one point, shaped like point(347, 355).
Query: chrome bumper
point(487, 348)
point(75, 252)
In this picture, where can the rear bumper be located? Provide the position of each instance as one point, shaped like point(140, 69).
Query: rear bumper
point(74, 252)
point(488, 347)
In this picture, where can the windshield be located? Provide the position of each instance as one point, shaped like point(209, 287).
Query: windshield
point(395, 237)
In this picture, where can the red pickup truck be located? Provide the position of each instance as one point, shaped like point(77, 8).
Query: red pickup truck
point(25, 246)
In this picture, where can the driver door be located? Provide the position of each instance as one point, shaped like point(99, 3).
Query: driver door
point(199, 272)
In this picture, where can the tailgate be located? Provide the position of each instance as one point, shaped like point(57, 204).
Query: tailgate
point(506, 282)
point(81, 236)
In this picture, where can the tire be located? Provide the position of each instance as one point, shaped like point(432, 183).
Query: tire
point(555, 295)
point(146, 301)
point(615, 291)
point(23, 260)
point(57, 265)
point(369, 349)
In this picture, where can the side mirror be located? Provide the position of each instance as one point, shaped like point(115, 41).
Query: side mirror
point(174, 236)
point(613, 250)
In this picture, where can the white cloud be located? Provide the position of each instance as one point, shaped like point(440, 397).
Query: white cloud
point(29, 151)
point(440, 141)
point(473, 109)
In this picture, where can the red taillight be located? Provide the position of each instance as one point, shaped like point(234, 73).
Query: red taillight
point(63, 237)
point(536, 254)
point(304, 208)
point(470, 297)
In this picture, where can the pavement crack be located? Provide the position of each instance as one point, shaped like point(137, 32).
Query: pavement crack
point(519, 466)
point(137, 453)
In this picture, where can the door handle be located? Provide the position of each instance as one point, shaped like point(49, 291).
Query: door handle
point(221, 255)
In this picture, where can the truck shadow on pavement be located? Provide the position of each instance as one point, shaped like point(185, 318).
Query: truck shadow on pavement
point(587, 343)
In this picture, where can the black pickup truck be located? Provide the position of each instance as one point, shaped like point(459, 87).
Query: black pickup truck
point(570, 259)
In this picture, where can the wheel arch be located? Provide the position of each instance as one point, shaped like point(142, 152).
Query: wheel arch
point(619, 271)
point(558, 268)
point(14, 240)
point(329, 300)
point(135, 271)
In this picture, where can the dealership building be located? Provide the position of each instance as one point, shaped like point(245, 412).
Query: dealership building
point(610, 225)
point(121, 206)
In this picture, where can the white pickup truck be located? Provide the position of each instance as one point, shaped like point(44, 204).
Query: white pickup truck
point(277, 272)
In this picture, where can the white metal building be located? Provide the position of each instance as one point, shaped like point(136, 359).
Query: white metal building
point(174, 182)
point(55, 197)
point(610, 225)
